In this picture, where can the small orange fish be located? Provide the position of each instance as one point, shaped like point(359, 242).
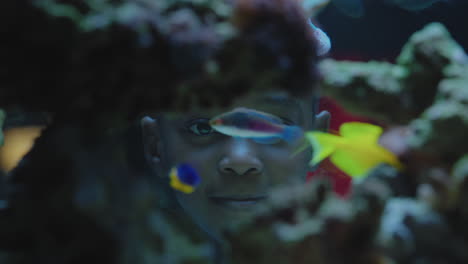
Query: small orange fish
point(356, 151)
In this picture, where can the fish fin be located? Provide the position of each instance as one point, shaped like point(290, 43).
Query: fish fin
point(353, 164)
point(323, 145)
point(390, 158)
point(363, 131)
point(301, 148)
point(292, 133)
point(259, 114)
point(352, 8)
point(267, 140)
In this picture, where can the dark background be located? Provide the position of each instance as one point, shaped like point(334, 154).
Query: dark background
point(383, 30)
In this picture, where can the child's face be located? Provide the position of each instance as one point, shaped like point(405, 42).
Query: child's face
point(236, 173)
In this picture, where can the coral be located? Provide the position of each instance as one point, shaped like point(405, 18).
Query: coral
point(411, 230)
point(399, 92)
point(309, 224)
point(137, 55)
point(368, 89)
point(448, 113)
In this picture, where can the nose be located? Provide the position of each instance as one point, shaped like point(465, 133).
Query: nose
point(240, 158)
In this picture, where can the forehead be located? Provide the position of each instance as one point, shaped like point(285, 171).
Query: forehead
point(277, 103)
point(279, 99)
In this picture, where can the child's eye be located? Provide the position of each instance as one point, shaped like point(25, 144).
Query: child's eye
point(200, 127)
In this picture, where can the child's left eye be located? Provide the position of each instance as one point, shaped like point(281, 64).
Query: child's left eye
point(200, 127)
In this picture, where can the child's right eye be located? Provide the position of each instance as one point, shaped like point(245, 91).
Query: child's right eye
point(200, 127)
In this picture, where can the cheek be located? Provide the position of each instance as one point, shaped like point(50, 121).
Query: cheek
point(178, 150)
point(201, 211)
point(282, 166)
point(191, 202)
point(204, 160)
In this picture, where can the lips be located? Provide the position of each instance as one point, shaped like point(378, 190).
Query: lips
point(238, 202)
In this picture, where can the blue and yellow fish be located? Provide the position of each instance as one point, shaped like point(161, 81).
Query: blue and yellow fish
point(256, 125)
point(184, 178)
point(355, 151)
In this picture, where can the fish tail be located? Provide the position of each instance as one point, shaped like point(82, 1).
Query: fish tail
point(393, 160)
point(323, 145)
point(291, 133)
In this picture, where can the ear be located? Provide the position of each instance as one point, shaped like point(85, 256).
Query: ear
point(151, 141)
point(322, 121)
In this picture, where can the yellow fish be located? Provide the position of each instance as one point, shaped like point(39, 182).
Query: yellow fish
point(355, 151)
